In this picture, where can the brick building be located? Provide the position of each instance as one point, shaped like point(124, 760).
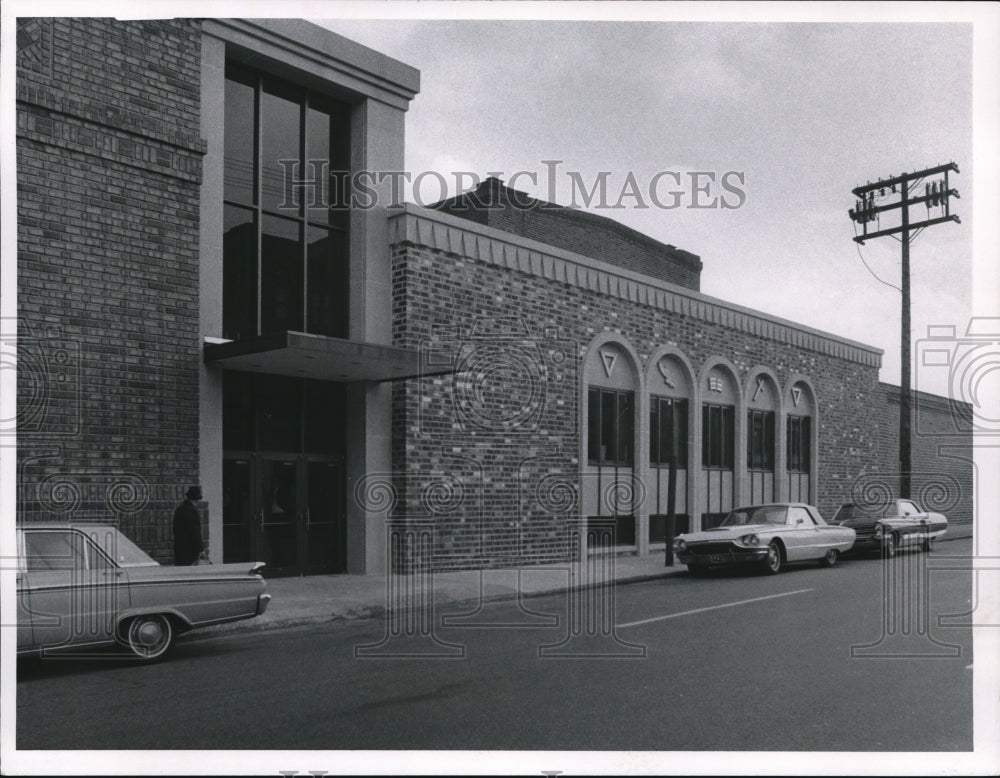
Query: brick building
point(496, 370)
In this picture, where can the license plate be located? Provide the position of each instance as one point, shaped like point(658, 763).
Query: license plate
point(715, 559)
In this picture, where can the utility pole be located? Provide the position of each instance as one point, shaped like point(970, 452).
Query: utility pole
point(868, 209)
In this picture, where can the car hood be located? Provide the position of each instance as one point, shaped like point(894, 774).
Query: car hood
point(727, 533)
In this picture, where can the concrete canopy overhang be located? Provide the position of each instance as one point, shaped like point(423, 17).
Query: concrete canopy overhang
point(303, 355)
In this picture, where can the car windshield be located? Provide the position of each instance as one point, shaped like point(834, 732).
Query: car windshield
point(123, 551)
point(761, 514)
point(853, 511)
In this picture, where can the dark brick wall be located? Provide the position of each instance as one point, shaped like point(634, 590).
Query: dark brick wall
point(581, 232)
point(499, 499)
point(109, 170)
point(940, 453)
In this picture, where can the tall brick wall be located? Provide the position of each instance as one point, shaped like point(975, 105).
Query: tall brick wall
point(493, 490)
point(109, 169)
point(494, 205)
point(940, 453)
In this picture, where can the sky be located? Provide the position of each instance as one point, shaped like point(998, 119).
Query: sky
point(792, 116)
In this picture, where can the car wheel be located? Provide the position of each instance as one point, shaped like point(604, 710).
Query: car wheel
point(698, 570)
point(772, 562)
point(889, 545)
point(929, 545)
point(829, 558)
point(149, 637)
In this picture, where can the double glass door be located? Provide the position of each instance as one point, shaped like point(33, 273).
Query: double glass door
point(287, 511)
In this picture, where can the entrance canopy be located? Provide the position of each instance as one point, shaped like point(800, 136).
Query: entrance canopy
point(302, 355)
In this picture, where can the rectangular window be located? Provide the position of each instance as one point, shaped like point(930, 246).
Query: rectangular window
point(760, 440)
point(610, 427)
point(667, 431)
point(717, 430)
point(285, 245)
point(799, 443)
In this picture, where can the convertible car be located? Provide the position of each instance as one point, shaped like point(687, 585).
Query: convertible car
point(888, 526)
point(83, 585)
point(766, 536)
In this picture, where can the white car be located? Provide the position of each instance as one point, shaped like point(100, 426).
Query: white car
point(766, 536)
point(84, 585)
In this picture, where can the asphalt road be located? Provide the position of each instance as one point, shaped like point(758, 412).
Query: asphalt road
point(732, 662)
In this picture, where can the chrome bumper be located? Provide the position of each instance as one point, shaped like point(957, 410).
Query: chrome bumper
point(262, 602)
point(732, 556)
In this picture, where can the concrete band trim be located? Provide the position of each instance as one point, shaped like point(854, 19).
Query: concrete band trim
point(321, 54)
point(438, 231)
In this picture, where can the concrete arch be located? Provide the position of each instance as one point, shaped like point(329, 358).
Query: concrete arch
point(592, 357)
point(726, 366)
point(595, 476)
point(750, 387)
point(712, 484)
point(786, 394)
point(795, 406)
point(652, 370)
point(762, 392)
point(685, 384)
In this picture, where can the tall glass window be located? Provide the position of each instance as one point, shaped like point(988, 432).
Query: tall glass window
point(717, 435)
point(799, 443)
point(610, 427)
point(667, 431)
point(760, 440)
point(285, 243)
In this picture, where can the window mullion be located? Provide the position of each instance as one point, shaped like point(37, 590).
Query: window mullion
point(259, 195)
point(303, 210)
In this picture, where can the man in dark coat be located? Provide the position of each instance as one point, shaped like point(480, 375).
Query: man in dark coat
point(187, 529)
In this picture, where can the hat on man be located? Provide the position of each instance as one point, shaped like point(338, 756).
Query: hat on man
point(193, 493)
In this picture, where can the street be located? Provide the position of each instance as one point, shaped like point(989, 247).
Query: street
point(735, 661)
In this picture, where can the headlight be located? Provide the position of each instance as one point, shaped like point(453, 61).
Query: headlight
point(680, 546)
point(878, 531)
point(750, 540)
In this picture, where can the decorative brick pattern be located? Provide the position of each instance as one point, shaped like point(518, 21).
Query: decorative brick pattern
point(511, 486)
point(109, 173)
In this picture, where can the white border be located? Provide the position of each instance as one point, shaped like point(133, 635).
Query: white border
point(985, 760)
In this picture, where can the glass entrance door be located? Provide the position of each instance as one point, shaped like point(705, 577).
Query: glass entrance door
point(325, 525)
point(280, 483)
point(286, 511)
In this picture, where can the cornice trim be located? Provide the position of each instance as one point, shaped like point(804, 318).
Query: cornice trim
point(453, 235)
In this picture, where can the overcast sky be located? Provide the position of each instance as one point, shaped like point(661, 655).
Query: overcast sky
point(799, 113)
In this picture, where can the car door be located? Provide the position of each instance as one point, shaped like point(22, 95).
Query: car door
point(803, 535)
point(912, 523)
point(24, 639)
point(74, 591)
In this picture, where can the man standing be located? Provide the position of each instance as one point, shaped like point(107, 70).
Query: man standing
point(188, 545)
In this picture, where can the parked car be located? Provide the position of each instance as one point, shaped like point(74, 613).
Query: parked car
point(87, 585)
point(888, 526)
point(766, 536)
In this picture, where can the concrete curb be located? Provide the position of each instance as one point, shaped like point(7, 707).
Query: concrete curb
point(378, 611)
point(359, 613)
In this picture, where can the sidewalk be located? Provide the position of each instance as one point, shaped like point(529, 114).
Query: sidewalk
point(321, 599)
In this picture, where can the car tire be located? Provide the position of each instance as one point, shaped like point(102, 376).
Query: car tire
point(149, 636)
point(772, 562)
point(699, 571)
point(829, 558)
point(890, 545)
